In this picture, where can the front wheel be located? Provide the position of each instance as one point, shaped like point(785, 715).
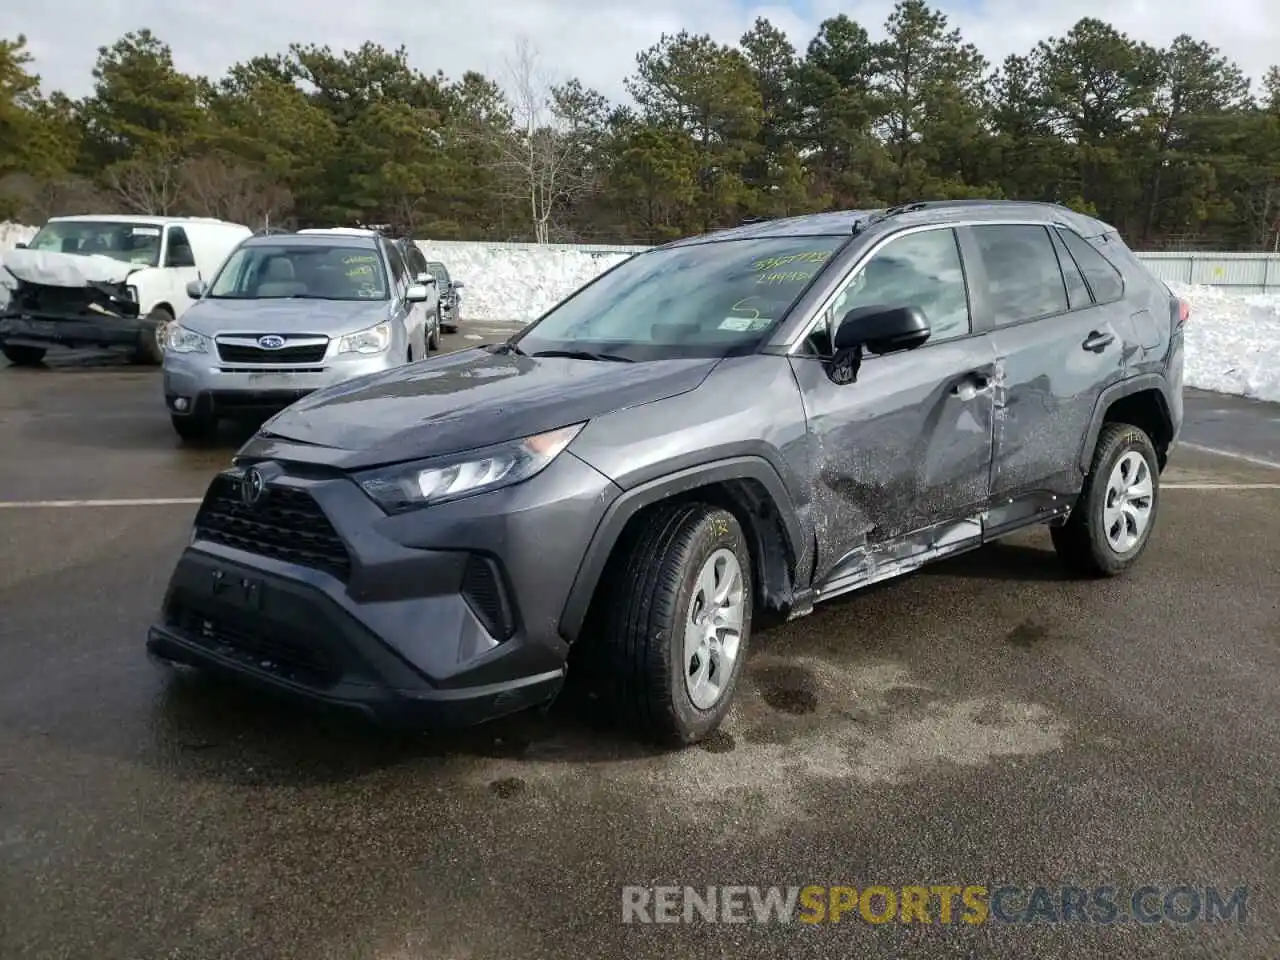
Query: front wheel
point(152, 337)
point(195, 427)
point(433, 339)
point(23, 356)
point(677, 620)
point(1112, 522)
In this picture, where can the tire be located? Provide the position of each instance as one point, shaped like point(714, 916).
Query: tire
point(23, 356)
point(651, 591)
point(1083, 542)
point(433, 339)
point(154, 326)
point(196, 427)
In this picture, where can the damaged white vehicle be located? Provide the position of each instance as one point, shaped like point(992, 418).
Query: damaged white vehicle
point(113, 282)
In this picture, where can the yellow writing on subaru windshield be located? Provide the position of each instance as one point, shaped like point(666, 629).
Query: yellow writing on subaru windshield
point(806, 256)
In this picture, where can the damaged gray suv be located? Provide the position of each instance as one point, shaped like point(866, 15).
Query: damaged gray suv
point(755, 420)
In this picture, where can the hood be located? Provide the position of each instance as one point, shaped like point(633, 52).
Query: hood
point(462, 401)
point(325, 317)
point(53, 269)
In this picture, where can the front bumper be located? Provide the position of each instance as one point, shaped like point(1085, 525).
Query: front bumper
point(210, 387)
point(446, 616)
point(42, 331)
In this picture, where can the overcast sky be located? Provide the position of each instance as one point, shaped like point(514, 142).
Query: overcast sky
point(596, 40)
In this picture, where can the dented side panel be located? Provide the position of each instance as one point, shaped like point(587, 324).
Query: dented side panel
point(906, 446)
point(1051, 373)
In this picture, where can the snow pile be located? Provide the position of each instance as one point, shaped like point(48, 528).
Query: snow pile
point(516, 281)
point(12, 234)
point(1232, 341)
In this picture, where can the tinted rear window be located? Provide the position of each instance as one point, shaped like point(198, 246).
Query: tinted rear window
point(1024, 280)
point(1103, 279)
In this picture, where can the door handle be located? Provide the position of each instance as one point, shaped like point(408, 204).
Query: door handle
point(1098, 340)
point(970, 385)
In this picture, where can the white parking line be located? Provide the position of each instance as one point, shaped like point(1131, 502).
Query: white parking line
point(1220, 486)
point(56, 504)
point(1257, 461)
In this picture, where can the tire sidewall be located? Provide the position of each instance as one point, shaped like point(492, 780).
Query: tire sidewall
point(718, 529)
point(1132, 440)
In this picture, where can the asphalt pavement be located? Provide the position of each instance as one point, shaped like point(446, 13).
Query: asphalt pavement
point(985, 722)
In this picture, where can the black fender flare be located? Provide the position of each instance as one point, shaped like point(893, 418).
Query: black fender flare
point(1117, 391)
point(635, 499)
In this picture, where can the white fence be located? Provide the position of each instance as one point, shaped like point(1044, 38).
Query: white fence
point(1237, 272)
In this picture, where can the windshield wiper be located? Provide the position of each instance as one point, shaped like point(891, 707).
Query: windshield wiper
point(582, 355)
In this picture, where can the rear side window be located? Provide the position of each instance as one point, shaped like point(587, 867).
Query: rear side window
point(1103, 279)
point(1024, 281)
point(1077, 289)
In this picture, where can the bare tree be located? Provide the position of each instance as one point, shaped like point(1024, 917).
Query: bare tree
point(214, 186)
point(37, 199)
point(540, 158)
point(148, 186)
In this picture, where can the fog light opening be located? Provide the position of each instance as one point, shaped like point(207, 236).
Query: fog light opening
point(181, 403)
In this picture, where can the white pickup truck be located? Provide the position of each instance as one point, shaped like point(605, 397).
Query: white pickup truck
point(106, 281)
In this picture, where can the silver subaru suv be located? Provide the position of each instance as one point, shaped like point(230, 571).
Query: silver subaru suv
point(287, 314)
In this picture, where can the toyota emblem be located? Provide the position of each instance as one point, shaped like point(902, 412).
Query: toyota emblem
point(252, 487)
point(271, 342)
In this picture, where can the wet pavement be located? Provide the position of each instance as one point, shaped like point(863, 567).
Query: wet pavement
point(983, 722)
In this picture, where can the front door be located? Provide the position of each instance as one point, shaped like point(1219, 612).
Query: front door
point(907, 445)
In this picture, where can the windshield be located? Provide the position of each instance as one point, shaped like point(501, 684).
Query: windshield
point(311, 270)
point(137, 243)
point(704, 300)
point(438, 271)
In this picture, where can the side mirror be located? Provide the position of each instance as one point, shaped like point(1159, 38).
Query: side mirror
point(417, 293)
point(457, 285)
point(20, 245)
point(882, 329)
point(196, 289)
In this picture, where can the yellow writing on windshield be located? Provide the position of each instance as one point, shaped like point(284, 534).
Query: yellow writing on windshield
point(807, 256)
point(359, 258)
point(360, 270)
point(790, 276)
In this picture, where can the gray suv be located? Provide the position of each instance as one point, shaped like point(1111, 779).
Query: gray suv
point(755, 420)
point(287, 314)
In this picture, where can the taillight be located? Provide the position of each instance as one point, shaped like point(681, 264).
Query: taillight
point(1184, 311)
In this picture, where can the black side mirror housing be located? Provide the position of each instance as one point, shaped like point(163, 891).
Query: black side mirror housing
point(20, 245)
point(882, 329)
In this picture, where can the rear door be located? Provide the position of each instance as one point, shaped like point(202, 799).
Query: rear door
point(1058, 346)
point(907, 444)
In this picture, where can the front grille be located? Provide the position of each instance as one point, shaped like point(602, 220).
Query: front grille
point(238, 353)
point(285, 525)
point(257, 643)
point(482, 589)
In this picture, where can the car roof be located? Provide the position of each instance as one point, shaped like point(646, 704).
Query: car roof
point(136, 218)
point(301, 239)
point(849, 222)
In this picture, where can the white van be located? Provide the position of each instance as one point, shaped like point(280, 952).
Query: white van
point(108, 281)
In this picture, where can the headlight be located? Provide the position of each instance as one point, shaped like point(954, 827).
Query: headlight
point(374, 340)
point(182, 340)
point(410, 485)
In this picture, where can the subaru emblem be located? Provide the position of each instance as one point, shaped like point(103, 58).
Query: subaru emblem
point(252, 487)
point(271, 342)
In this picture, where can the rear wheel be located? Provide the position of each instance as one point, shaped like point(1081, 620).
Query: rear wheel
point(433, 338)
point(195, 427)
point(23, 356)
point(151, 338)
point(676, 613)
point(1111, 525)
